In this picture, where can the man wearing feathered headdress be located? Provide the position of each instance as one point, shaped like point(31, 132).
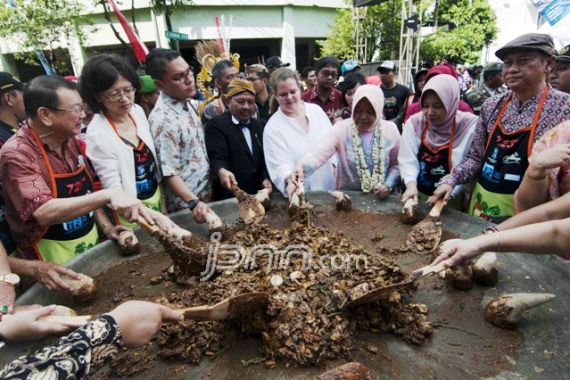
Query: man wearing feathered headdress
point(219, 68)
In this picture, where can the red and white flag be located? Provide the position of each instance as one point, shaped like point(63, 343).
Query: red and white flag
point(138, 46)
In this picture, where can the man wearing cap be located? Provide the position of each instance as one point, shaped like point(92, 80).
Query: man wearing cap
point(148, 94)
point(234, 143)
point(395, 94)
point(273, 63)
point(349, 67)
point(325, 95)
point(258, 75)
point(12, 111)
point(492, 85)
point(560, 77)
point(508, 127)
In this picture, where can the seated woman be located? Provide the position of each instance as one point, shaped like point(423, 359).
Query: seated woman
point(348, 87)
point(293, 130)
point(435, 140)
point(119, 143)
point(548, 174)
point(367, 147)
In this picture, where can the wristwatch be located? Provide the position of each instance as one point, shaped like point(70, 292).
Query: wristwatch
point(10, 278)
point(192, 203)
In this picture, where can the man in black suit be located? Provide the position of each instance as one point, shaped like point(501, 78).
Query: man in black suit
point(234, 144)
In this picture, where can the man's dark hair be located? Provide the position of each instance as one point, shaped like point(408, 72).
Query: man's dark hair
point(157, 60)
point(489, 74)
point(326, 61)
point(219, 68)
point(306, 71)
point(42, 92)
point(100, 73)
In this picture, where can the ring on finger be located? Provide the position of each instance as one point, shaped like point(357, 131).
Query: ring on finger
point(4, 309)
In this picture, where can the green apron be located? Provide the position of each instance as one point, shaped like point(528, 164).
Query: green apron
point(504, 164)
point(62, 242)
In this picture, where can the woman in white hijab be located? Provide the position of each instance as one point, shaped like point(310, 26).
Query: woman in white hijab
point(366, 145)
point(435, 140)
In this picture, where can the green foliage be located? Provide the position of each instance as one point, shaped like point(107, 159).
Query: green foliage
point(339, 42)
point(43, 25)
point(476, 28)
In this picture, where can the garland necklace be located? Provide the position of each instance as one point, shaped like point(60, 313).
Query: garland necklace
point(367, 181)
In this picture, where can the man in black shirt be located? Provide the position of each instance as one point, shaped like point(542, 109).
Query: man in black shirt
point(395, 94)
point(234, 144)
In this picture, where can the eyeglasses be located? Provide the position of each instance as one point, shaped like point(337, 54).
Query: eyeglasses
point(182, 76)
point(117, 95)
point(326, 74)
point(77, 110)
point(253, 79)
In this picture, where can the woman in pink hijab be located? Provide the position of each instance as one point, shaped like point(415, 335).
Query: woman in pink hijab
point(444, 68)
point(434, 140)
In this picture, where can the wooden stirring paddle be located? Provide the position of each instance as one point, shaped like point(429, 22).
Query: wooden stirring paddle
point(383, 291)
point(426, 235)
point(251, 210)
point(238, 306)
point(242, 305)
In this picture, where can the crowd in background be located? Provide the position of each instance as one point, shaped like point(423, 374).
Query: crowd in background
point(81, 162)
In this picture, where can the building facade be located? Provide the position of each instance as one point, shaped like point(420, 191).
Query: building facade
point(257, 29)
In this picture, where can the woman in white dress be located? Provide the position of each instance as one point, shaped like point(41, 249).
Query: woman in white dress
point(293, 130)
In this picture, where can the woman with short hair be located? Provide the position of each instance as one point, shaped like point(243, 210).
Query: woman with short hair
point(119, 142)
point(295, 128)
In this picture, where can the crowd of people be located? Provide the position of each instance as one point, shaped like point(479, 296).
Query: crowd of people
point(84, 161)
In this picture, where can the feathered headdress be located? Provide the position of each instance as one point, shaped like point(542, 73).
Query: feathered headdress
point(208, 53)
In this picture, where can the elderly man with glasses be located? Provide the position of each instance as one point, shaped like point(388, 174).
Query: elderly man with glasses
point(325, 94)
point(47, 185)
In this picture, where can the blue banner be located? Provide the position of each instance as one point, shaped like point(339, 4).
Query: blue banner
point(552, 10)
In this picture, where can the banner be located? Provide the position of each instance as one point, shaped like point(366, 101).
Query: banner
point(552, 10)
point(138, 46)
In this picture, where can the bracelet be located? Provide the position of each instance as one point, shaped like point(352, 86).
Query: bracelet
point(496, 235)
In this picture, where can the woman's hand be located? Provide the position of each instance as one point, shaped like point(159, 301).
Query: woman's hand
point(114, 232)
point(457, 251)
point(410, 193)
point(26, 325)
point(49, 275)
point(7, 296)
point(294, 180)
point(200, 212)
point(139, 320)
point(382, 190)
point(442, 192)
point(551, 158)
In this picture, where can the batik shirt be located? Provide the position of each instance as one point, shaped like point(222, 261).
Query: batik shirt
point(179, 141)
point(517, 116)
point(72, 357)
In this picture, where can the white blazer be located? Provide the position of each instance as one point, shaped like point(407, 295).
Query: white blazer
point(112, 159)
